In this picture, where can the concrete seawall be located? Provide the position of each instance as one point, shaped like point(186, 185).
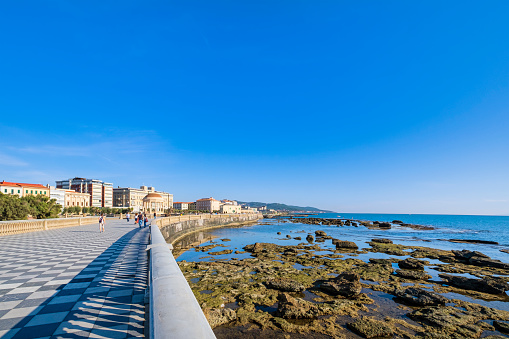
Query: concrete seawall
point(173, 228)
point(174, 311)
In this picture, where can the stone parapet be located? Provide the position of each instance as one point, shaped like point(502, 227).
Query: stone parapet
point(24, 226)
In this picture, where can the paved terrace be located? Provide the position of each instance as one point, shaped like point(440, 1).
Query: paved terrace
point(74, 282)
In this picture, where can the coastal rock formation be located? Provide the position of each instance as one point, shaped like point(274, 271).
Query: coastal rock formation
point(375, 272)
point(297, 238)
point(370, 328)
point(296, 308)
point(420, 297)
point(219, 316)
point(285, 285)
point(490, 285)
point(345, 284)
point(411, 264)
point(502, 327)
point(414, 275)
point(382, 240)
point(473, 241)
point(341, 244)
point(448, 322)
point(320, 233)
point(310, 238)
point(220, 252)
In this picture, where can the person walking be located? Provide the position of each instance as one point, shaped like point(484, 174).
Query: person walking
point(145, 220)
point(101, 223)
point(140, 219)
point(127, 216)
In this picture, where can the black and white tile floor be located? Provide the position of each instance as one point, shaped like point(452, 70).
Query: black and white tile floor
point(74, 282)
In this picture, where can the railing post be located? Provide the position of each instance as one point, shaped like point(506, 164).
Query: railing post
point(45, 225)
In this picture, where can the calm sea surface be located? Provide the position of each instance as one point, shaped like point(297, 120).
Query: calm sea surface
point(491, 228)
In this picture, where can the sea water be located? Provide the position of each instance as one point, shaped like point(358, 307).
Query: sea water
point(446, 227)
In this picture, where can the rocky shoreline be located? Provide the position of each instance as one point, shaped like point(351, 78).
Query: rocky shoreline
point(304, 290)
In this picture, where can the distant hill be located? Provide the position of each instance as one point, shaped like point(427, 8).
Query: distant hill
point(283, 207)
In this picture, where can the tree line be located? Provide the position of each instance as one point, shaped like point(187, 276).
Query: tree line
point(13, 207)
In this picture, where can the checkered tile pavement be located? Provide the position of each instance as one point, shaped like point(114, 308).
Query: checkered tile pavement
point(74, 282)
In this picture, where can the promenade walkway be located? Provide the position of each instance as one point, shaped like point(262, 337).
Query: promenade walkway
point(74, 282)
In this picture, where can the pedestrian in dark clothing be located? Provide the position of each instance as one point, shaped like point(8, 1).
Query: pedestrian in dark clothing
point(140, 219)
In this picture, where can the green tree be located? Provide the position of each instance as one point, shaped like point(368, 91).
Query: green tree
point(42, 207)
point(13, 208)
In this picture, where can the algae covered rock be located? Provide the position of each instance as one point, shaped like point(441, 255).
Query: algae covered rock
point(448, 321)
point(382, 241)
point(345, 284)
point(320, 233)
point(342, 244)
point(370, 328)
point(420, 297)
point(411, 264)
point(414, 275)
point(501, 326)
point(490, 285)
point(285, 285)
point(219, 316)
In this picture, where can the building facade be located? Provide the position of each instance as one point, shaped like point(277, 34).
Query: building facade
point(73, 198)
point(58, 194)
point(23, 189)
point(181, 205)
point(127, 197)
point(230, 209)
point(101, 193)
point(208, 204)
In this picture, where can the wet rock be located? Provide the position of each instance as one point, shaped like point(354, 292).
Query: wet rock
point(320, 233)
point(219, 316)
point(221, 252)
point(383, 261)
point(285, 285)
point(310, 238)
point(290, 251)
point(370, 328)
point(490, 285)
point(449, 321)
point(226, 239)
point(397, 222)
point(384, 225)
point(260, 247)
point(345, 284)
point(501, 326)
point(279, 233)
point(288, 236)
point(382, 241)
point(375, 272)
point(484, 262)
point(420, 297)
point(341, 244)
point(295, 308)
point(414, 275)
point(465, 255)
point(297, 238)
point(473, 241)
point(411, 264)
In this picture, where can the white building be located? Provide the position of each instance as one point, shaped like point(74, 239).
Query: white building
point(58, 194)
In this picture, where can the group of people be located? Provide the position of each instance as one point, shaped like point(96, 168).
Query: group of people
point(138, 219)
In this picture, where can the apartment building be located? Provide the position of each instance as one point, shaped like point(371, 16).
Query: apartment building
point(181, 205)
point(229, 202)
point(208, 204)
point(23, 189)
point(101, 193)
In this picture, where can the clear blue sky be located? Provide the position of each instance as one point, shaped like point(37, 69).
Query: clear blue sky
point(352, 106)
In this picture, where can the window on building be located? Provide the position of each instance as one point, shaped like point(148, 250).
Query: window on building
point(5, 190)
point(19, 191)
point(26, 191)
point(12, 190)
point(31, 192)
